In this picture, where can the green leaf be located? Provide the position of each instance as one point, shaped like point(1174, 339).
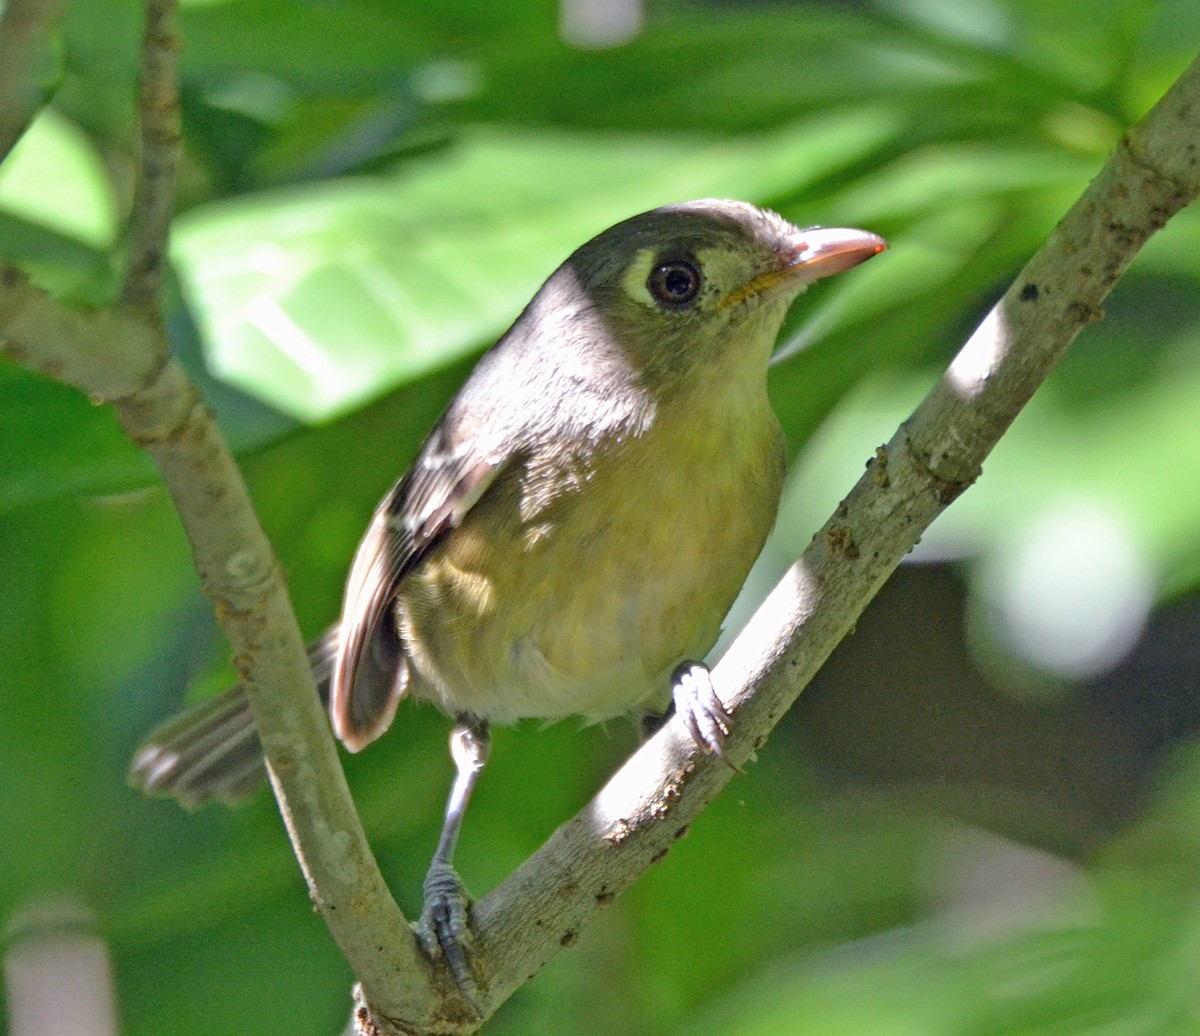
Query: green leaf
point(318, 299)
point(54, 441)
point(54, 178)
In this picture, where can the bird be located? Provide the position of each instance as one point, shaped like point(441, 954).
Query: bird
point(574, 528)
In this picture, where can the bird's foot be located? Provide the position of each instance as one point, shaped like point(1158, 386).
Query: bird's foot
point(443, 925)
point(702, 712)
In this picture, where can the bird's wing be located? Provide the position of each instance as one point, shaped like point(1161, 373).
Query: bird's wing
point(369, 672)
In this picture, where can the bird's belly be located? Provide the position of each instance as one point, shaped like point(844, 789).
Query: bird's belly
point(597, 604)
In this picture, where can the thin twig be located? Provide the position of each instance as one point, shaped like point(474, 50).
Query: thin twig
point(23, 27)
point(160, 141)
point(45, 336)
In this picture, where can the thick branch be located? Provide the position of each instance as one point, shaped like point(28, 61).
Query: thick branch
point(932, 458)
point(239, 572)
point(116, 357)
point(23, 28)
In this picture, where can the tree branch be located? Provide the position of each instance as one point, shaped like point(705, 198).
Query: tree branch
point(239, 572)
point(101, 352)
point(935, 455)
point(119, 355)
point(120, 358)
point(154, 203)
point(23, 27)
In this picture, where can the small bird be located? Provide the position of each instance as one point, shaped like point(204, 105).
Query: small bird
point(575, 527)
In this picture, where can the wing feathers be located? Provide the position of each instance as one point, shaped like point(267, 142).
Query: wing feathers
point(370, 673)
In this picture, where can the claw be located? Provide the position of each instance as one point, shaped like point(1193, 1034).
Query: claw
point(702, 712)
point(443, 925)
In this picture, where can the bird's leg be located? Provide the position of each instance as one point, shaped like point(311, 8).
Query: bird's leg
point(444, 918)
point(696, 703)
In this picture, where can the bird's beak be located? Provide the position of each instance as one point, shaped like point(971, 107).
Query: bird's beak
point(812, 254)
point(821, 251)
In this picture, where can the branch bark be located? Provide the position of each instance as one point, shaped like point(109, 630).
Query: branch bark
point(161, 139)
point(239, 572)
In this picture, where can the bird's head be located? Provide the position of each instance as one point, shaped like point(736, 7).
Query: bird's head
point(684, 284)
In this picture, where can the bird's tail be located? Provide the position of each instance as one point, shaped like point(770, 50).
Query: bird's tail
point(212, 751)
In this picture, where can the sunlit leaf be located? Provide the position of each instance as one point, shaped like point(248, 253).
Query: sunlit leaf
point(318, 299)
point(53, 177)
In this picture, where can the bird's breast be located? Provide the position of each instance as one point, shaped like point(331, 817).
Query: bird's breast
point(580, 580)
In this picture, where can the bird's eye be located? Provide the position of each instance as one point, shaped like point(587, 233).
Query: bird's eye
point(674, 283)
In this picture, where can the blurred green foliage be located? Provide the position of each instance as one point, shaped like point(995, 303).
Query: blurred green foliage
point(371, 191)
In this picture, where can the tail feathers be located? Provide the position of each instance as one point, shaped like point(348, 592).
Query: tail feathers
point(212, 750)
